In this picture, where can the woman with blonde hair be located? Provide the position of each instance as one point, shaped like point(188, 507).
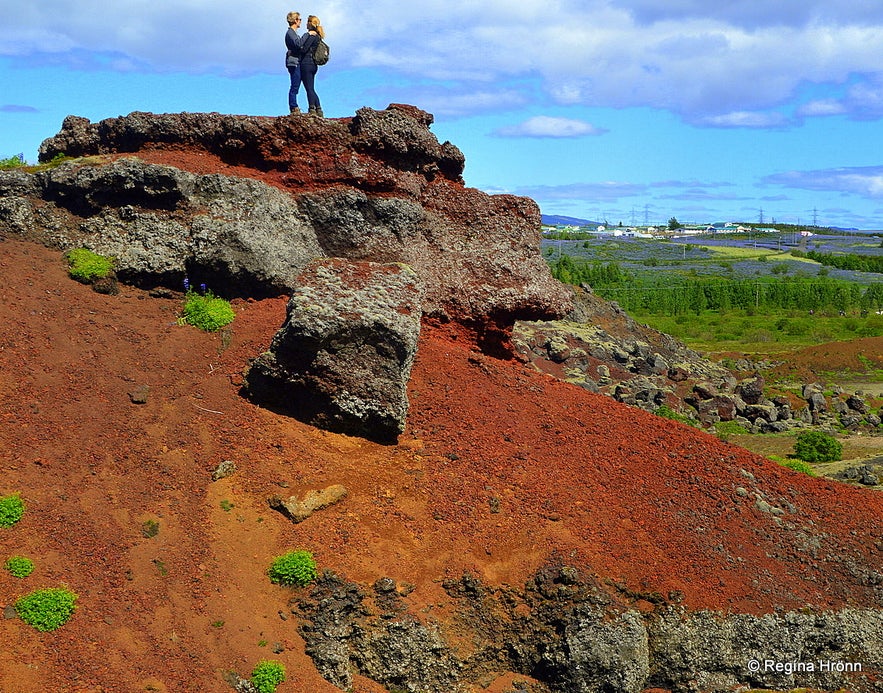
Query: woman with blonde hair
point(292, 59)
point(308, 67)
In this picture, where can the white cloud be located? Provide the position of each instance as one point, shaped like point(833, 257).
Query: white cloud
point(697, 59)
point(549, 126)
point(866, 181)
point(745, 119)
point(821, 108)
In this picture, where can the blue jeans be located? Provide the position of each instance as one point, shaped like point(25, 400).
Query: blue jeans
point(294, 73)
point(308, 77)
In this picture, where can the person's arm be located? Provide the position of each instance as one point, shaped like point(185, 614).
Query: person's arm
point(308, 42)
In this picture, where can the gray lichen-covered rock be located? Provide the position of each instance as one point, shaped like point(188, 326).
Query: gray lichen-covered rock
point(343, 357)
point(159, 222)
point(704, 651)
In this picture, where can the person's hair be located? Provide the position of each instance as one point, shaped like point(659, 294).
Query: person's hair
point(313, 24)
point(292, 17)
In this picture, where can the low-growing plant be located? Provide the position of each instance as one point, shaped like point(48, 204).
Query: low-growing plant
point(46, 609)
point(149, 529)
point(295, 568)
point(730, 428)
point(19, 566)
point(798, 466)
point(12, 508)
point(207, 311)
point(16, 161)
point(267, 675)
point(666, 412)
point(86, 266)
point(817, 446)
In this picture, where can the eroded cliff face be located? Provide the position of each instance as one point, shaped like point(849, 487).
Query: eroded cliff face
point(374, 190)
point(377, 187)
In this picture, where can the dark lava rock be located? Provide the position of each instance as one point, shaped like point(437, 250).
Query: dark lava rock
point(342, 359)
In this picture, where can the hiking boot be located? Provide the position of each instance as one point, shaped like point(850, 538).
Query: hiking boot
point(294, 111)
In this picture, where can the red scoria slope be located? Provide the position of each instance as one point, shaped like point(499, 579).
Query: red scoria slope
point(500, 470)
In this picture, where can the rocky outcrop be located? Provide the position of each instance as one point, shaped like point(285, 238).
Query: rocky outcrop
point(373, 192)
point(159, 223)
point(343, 357)
point(377, 187)
point(568, 633)
point(600, 348)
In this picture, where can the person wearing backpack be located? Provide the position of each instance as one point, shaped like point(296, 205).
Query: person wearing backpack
point(292, 59)
point(308, 66)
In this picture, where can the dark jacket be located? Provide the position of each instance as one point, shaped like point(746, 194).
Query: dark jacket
point(308, 43)
point(292, 43)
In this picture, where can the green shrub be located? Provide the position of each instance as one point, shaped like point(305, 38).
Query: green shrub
point(86, 266)
point(46, 609)
point(817, 446)
point(207, 312)
point(19, 566)
point(267, 674)
point(11, 510)
point(297, 568)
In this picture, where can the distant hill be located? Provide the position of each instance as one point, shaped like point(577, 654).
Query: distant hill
point(555, 219)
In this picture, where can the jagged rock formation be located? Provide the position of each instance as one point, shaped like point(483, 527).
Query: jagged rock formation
point(376, 187)
point(573, 636)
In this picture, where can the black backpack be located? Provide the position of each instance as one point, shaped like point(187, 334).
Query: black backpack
point(321, 53)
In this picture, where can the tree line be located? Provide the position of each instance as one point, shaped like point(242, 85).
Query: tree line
point(844, 261)
point(674, 296)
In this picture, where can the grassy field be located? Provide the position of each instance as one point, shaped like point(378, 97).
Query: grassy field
point(739, 330)
point(760, 258)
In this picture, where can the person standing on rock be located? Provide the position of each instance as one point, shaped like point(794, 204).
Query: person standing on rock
point(308, 67)
point(292, 59)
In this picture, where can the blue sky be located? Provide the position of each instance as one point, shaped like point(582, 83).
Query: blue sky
point(623, 110)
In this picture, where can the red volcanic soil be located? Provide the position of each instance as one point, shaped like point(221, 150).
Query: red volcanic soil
point(500, 470)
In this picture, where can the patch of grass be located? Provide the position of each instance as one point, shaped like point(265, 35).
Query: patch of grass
point(227, 506)
point(666, 412)
point(19, 566)
point(12, 508)
point(295, 568)
point(47, 609)
point(267, 675)
point(207, 311)
point(16, 161)
point(86, 266)
point(217, 624)
point(796, 465)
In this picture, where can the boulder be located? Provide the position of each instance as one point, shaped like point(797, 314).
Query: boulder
point(299, 509)
point(751, 390)
point(857, 404)
point(343, 357)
